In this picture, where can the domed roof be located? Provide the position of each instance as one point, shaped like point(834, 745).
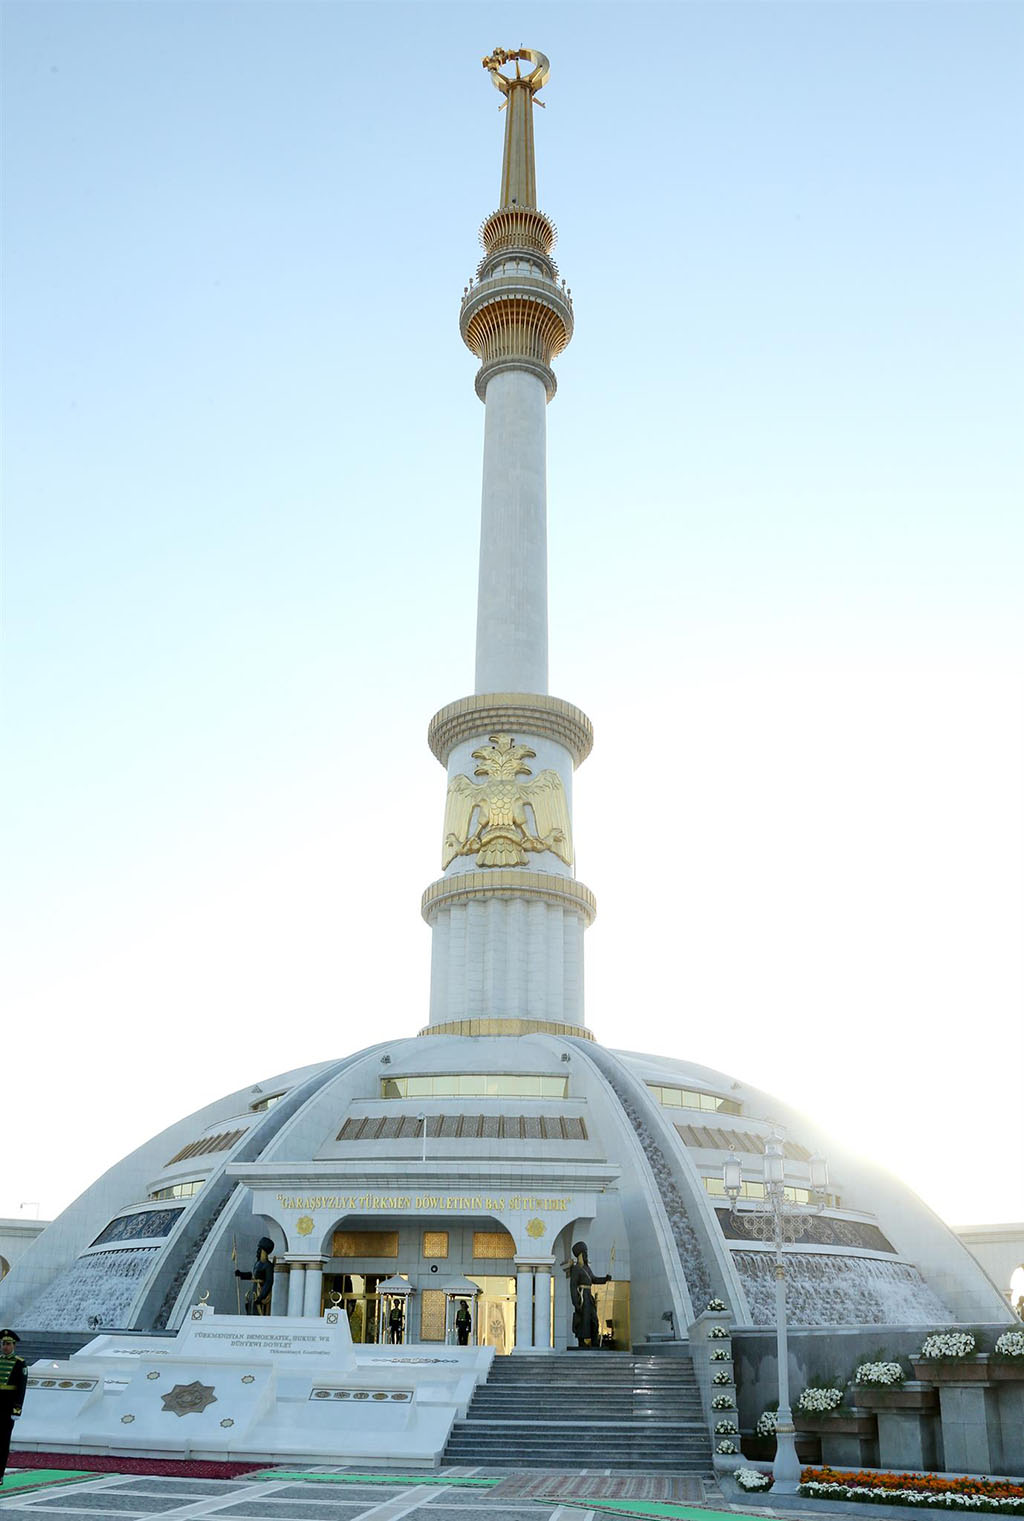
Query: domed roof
point(543, 1136)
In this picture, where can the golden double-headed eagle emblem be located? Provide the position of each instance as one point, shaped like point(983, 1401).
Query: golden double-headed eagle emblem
point(501, 818)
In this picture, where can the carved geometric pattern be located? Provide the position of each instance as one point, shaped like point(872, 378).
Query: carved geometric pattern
point(189, 1399)
point(493, 1246)
point(365, 1244)
point(432, 1315)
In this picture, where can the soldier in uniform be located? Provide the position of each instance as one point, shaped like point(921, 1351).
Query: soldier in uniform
point(13, 1374)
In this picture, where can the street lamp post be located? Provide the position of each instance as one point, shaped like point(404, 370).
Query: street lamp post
point(778, 1221)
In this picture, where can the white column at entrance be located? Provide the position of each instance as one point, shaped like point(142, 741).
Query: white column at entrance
point(314, 1287)
point(542, 1310)
point(524, 1308)
point(533, 1304)
point(296, 1288)
point(279, 1293)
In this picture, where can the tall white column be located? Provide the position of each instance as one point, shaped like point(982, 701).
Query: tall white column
point(542, 1310)
point(296, 1288)
point(314, 1287)
point(512, 603)
point(279, 1293)
point(524, 1309)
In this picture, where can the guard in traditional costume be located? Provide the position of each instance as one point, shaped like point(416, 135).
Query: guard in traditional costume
point(13, 1377)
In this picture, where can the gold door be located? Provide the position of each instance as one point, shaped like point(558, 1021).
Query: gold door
point(495, 1313)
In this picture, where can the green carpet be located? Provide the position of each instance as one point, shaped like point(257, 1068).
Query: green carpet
point(653, 1508)
point(38, 1478)
point(370, 1478)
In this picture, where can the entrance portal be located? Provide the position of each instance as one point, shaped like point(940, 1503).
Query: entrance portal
point(495, 1312)
point(362, 1305)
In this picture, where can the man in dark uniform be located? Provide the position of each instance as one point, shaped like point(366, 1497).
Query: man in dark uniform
point(13, 1374)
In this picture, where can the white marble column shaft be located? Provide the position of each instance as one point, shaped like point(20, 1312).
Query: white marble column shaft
point(542, 1310)
point(512, 602)
point(524, 1309)
point(296, 1288)
point(314, 1288)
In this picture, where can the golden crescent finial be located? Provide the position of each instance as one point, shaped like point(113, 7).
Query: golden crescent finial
point(535, 80)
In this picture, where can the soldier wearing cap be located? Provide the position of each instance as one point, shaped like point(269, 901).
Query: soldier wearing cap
point(13, 1373)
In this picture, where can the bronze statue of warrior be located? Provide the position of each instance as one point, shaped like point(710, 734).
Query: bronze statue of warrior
point(257, 1301)
point(585, 1325)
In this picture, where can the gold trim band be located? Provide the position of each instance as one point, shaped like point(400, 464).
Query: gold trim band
point(486, 1026)
point(534, 714)
point(508, 882)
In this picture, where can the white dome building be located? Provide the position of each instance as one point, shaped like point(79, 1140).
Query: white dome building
point(472, 1156)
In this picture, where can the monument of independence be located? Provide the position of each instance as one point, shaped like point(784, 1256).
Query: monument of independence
point(465, 1162)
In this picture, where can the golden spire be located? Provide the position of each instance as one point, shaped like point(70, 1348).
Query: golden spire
point(518, 168)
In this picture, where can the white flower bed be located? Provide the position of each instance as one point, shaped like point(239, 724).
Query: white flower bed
point(766, 1424)
point(717, 1333)
point(722, 1377)
point(726, 1428)
point(717, 1306)
point(1010, 1344)
point(722, 1402)
point(727, 1449)
point(948, 1344)
point(879, 1375)
point(719, 1355)
point(752, 1478)
point(939, 1500)
point(819, 1401)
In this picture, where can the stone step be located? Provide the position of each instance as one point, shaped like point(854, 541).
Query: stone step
point(627, 1414)
point(676, 1463)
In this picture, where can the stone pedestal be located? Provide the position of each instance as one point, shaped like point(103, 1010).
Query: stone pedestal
point(910, 1439)
point(982, 1408)
point(847, 1441)
point(971, 1434)
point(909, 1434)
point(1010, 1399)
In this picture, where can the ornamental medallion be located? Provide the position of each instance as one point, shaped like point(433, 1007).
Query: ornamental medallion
point(189, 1399)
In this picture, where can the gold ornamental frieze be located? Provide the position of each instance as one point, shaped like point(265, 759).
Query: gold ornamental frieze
point(518, 227)
point(476, 886)
point(487, 1024)
point(527, 320)
point(535, 714)
point(492, 819)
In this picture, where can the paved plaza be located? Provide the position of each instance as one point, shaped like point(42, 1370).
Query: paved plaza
point(339, 1494)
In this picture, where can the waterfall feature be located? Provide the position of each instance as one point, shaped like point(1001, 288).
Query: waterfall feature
point(822, 1290)
point(104, 1284)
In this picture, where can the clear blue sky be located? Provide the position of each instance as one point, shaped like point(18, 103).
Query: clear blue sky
point(241, 463)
